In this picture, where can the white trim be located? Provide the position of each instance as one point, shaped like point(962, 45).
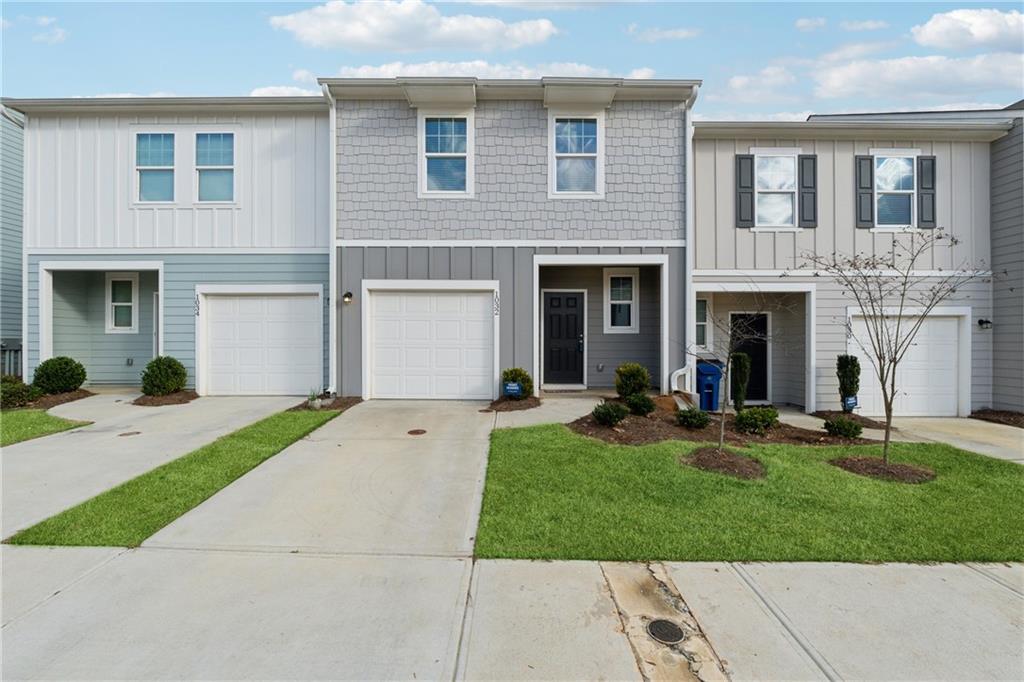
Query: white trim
point(197, 170)
point(768, 357)
point(751, 275)
point(204, 290)
point(540, 243)
point(570, 112)
point(600, 259)
point(689, 307)
point(156, 323)
point(770, 287)
point(634, 302)
point(875, 152)
point(586, 337)
point(790, 152)
point(108, 304)
point(370, 285)
point(333, 295)
point(709, 334)
point(421, 152)
point(136, 199)
point(775, 229)
point(173, 250)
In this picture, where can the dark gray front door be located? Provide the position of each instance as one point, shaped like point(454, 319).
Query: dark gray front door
point(754, 326)
point(563, 337)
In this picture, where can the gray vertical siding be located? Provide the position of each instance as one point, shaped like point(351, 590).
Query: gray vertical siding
point(1008, 266)
point(11, 183)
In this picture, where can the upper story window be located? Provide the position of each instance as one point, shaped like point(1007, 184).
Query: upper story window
point(576, 163)
point(895, 189)
point(446, 155)
point(775, 187)
point(122, 303)
point(621, 300)
point(154, 162)
point(215, 166)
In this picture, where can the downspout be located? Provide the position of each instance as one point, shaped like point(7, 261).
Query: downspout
point(332, 294)
point(689, 297)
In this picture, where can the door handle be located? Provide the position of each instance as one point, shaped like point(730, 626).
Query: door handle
point(579, 343)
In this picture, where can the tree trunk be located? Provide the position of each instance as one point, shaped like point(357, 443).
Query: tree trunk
point(721, 413)
point(888, 430)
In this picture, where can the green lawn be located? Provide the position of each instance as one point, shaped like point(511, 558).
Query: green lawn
point(128, 514)
point(19, 425)
point(552, 494)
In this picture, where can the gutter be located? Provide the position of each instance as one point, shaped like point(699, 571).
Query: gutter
point(689, 295)
point(332, 294)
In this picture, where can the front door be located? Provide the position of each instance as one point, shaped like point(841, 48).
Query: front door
point(753, 329)
point(563, 337)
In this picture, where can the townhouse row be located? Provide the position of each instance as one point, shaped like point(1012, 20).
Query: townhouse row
point(411, 238)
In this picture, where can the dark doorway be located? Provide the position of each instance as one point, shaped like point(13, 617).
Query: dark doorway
point(754, 326)
point(563, 337)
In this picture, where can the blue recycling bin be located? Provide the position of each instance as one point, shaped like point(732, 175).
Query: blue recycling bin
point(709, 378)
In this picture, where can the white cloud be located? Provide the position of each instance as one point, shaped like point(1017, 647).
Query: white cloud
point(932, 76)
point(964, 28)
point(5, 23)
point(483, 69)
point(303, 76)
point(52, 36)
point(770, 83)
point(865, 25)
point(655, 35)
point(407, 26)
point(45, 21)
point(810, 23)
point(283, 91)
point(853, 51)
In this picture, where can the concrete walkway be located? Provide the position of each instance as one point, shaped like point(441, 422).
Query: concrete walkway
point(47, 475)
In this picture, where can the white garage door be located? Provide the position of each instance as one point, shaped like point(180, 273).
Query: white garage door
point(263, 344)
point(432, 344)
point(926, 381)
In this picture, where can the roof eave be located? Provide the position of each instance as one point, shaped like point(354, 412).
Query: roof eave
point(153, 104)
point(985, 132)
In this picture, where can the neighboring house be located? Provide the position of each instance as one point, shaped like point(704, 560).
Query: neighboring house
point(1006, 198)
point(192, 227)
point(12, 124)
point(488, 224)
point(767, 193)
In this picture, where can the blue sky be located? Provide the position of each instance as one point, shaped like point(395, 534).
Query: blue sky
point(761, 60)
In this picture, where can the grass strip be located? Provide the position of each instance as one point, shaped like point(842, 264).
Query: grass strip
point(19, 425)
point(126, 515)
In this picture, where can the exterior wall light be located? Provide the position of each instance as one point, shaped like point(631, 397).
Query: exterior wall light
point(346, 297)
point(985, 324)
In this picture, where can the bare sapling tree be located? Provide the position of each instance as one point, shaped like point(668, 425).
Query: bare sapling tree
point(893, 294)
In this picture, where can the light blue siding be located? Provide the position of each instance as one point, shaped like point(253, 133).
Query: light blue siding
point(182, 272)
point(11, 161)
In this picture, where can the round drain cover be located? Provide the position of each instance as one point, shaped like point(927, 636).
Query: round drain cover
point(665, 631)
point(417, 432)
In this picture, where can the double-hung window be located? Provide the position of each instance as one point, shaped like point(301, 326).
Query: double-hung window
point(576, 165)
point(775, 187)
point(122, 303)
point(895, 190)
point(154, 166)
point(446, 155)
point(703, 331)
point(622, 300)
point(215, 167)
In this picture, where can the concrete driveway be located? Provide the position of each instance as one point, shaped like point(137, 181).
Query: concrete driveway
point(995, 440)
point(47, 475)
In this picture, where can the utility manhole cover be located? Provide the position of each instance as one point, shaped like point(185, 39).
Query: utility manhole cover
point(130, 433)
point(665, 631)
point(417, 432)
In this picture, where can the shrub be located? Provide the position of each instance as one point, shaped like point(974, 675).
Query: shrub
point(609, 414)
point(843, 427)
point(757, 419)
point(739, 377)
point(59, 375)
point(163, 375)
point(693, 418)
point(520, 376)
point(848, 372)
point(15, 393)
point(640, 404)
point(632, 378)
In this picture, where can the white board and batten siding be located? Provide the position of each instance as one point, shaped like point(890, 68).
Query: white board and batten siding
point(81, 187)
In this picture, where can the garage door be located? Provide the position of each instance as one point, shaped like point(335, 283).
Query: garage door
point(926, 381)
point(263, 345)
point(436, 345)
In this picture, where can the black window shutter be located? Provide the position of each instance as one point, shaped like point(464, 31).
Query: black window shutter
point(744, 190)
point(926, 192)
point(865, 186)
point(807, 196)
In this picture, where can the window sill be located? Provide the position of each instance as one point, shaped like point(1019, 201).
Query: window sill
point(621, 330)
point(110, 330)
point(776, 229)
point(894, 229)
point(575, 195)
point(445, 195)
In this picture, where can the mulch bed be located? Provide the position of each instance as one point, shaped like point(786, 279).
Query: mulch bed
point(873, 467)
point(176, 398)
point(1007, 417)
point(511, 405)
point(338, 403)
point(48, 401)
point(725, 462)
point(866, 422)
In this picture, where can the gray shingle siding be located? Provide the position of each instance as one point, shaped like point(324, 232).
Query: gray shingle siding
point(11, 183)
point(644, 176)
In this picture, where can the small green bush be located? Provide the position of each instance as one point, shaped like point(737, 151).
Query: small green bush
point(640, 404)
point(739, 377)
point(609, 414)
point(757, 419)
point(520, 376)
point(693, 418)
point(15, 393)
point(843, 427)
point(163, 375)
point(848, 373)
point(632, 378)
point(59, 375)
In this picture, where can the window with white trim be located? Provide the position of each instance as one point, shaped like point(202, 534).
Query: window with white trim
point(154, 167)
point(621, 300)
point(895, 189)
point(576, 163)
point(215, 167)
point(446, 154)
point(122, 303)
point(775, 181)
point(703, 334)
